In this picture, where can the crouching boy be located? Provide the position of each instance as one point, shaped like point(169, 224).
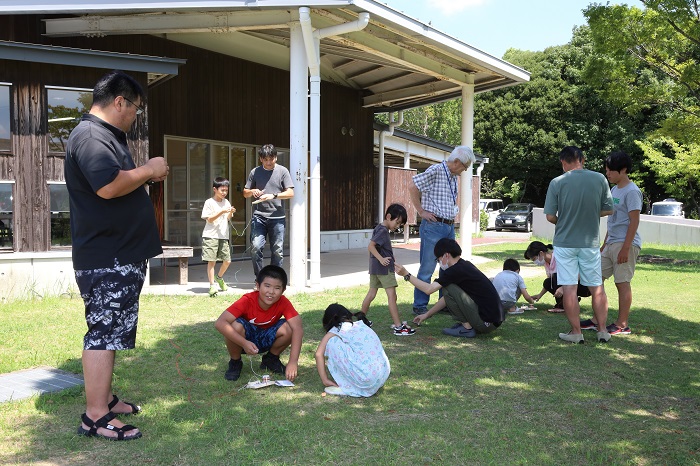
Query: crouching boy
point(468, 295)
point(263, 321)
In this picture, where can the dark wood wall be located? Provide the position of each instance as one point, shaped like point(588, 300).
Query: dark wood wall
point(214, 97)
point(29, 163)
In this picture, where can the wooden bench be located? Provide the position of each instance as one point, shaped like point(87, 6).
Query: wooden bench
point(182, 253)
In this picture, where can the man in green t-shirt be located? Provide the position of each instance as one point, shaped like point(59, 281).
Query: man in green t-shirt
point(575, 202)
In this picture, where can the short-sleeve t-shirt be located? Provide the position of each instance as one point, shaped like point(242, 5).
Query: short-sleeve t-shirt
point(625, 200)
point(382, 241)
point(272, 181)
point(508, 285)
point(477, 285)
point(102, 230)
point(219, 227)
point(248, 307)
point(577, 198)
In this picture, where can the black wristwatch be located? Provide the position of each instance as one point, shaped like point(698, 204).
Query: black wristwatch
point(274, 196)
point(407, 277)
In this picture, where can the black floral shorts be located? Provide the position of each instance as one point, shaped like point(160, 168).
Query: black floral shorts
point(111, 297)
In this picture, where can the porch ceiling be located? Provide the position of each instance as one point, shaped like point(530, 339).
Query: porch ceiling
point(396, 61)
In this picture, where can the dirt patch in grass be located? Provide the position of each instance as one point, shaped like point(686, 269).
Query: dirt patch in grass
point(650, 259)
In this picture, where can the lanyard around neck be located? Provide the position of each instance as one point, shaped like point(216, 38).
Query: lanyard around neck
point(449, 183)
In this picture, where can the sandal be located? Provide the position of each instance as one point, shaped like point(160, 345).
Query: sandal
point(103, 422)
point(134, 408)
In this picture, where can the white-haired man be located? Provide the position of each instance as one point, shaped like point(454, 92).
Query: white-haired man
point(434, 193)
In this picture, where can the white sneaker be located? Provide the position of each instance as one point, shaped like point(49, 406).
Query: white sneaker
point(517, 310)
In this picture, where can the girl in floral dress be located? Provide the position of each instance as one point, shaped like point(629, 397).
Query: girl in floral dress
point(355, 357)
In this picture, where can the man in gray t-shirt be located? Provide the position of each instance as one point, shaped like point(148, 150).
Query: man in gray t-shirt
point(622, 241)
point(269, 183)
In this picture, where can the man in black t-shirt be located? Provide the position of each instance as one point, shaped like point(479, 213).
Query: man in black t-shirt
point(114, 233)
point(468, 294)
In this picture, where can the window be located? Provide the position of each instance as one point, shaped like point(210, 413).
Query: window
point(6, 214)
point(60, 214)
point(65, 109)
point(5, 118)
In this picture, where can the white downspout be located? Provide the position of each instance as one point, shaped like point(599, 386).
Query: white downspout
point(382, 178)
point(312, 40)
point(477, 225)
point(465, 195)
point(298, 157)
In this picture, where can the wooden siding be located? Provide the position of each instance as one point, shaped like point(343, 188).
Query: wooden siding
point(30, 165)
point(349, 194)
point(214, 97)
point(397, 182)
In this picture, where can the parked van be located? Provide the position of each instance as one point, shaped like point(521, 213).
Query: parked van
point(492, 207)
point(668, 207)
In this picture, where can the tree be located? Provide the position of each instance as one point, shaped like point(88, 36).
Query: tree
point(677, 168)
point(523, 128)
point(647, 57)
point(647, 60)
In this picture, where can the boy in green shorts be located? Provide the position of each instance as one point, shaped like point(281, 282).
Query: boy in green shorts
point(381, 268)
point(217, 212)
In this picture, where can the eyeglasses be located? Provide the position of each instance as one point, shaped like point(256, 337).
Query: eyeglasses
point(466, 167)
point(139, 109)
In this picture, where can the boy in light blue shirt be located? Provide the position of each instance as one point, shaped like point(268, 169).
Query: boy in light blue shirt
point(510, 286)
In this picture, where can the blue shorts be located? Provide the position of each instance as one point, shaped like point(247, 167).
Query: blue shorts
point(263, 338)
point(578, 263)
point(111, 297)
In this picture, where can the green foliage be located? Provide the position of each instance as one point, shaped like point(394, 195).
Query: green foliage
point(441, 122)
point(677, 169)
point(647, 57)
point(647, 61)
point(508, 190)
point(483, 220)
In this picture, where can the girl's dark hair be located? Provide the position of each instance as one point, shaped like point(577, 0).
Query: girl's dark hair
point(335, 315)
point(535, 248)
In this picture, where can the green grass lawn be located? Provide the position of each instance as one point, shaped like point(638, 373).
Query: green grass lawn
point(516, 396)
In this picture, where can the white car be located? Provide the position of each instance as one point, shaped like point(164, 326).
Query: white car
point(492, 207)
point(668, 207)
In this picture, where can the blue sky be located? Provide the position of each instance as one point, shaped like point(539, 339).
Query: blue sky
point(494, 26)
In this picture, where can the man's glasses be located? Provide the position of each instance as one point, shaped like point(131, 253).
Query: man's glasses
point(139, 109)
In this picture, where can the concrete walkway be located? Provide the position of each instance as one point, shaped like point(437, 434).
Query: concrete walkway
point(339, 269)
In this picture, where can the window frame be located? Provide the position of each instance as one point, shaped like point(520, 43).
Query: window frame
point(12, 183)
point(10, 121)
point(51, 213)
point(47, 89)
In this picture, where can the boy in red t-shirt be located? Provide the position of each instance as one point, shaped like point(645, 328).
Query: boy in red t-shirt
point(263, 320)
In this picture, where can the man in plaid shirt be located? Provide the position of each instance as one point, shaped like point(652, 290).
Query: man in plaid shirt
point(434, 193)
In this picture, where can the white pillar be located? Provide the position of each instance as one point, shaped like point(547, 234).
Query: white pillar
point(298, 161)
point(406, 160)
point(465, 193)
